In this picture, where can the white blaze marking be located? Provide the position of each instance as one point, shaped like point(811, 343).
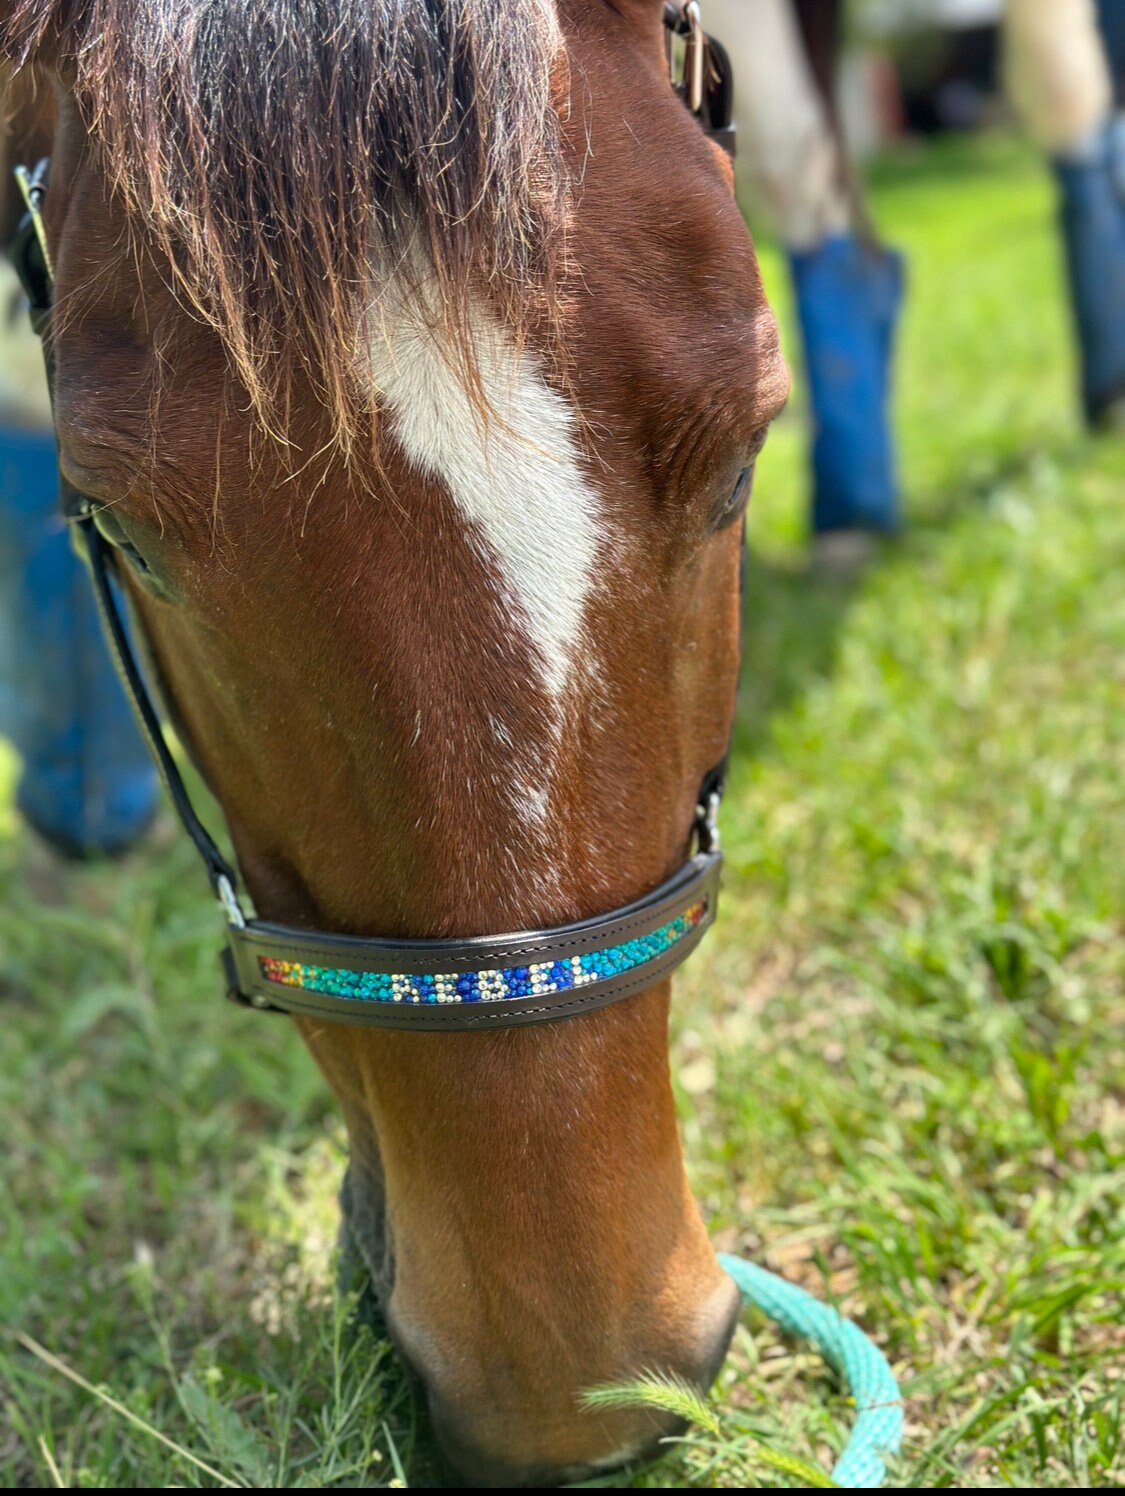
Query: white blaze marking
point(520, 480)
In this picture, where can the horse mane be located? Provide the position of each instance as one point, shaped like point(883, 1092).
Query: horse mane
point(287, 159)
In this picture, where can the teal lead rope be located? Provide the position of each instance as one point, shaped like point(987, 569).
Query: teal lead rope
point(878, 1426)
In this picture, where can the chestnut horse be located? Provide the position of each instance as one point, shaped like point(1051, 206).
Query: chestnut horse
point(414, 349)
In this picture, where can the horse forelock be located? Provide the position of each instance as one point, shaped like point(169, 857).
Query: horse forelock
point(285, 159)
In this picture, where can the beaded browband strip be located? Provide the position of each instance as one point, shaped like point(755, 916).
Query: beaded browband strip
point(494, 984)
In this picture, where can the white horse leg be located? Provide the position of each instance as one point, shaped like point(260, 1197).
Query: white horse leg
point(1056, 72)
point(787, 153)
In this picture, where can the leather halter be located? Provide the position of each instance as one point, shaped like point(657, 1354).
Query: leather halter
point(476, 983)
point(707, 82)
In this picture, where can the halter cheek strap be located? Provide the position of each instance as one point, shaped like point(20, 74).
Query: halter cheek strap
point(480, 982)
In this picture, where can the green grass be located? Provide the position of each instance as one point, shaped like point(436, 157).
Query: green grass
point(901, 1058)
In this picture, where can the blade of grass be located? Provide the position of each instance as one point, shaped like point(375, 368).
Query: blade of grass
point(42, 1354)
point(49, 1461)
point(400, 1473)
point(654, 1390)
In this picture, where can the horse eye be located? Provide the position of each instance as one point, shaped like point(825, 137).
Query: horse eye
point(731, 508)
point(741, 494)
point(154, 581)
point(135, 559)
point(111, 530)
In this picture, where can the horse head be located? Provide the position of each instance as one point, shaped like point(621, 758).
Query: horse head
point(414, 356)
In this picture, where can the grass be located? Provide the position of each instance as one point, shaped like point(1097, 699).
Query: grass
point(900, 1060)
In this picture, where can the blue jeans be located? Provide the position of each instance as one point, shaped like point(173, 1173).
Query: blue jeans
point(87, 783)
point(848, 299)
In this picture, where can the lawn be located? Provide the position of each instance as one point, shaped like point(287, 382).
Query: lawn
point(900, 1059)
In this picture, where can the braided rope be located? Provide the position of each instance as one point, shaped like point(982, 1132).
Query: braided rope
point(863, 1367)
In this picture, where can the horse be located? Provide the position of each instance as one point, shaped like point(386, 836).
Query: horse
point(413, 358)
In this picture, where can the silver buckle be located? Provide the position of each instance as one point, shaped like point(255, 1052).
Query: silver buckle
point(696, 52)
point(228, 902)
point(707, 823)
point(685, 20)
point(33, 187)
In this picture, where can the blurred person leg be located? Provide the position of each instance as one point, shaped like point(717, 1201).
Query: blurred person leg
point(87, 784)
point(1111, 16)
point(848, 291)
point(1058, 75)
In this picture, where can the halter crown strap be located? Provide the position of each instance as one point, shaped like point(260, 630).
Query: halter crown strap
point(481, 982)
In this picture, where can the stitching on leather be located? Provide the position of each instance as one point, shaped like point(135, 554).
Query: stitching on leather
point(505, 1013)
point(268, 944)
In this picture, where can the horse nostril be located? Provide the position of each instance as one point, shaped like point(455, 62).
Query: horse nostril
point(473, 1443)
point(721, 1319)
point(473, 1466)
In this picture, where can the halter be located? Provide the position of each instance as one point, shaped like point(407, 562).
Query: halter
point(476, 983)
point(706, 83)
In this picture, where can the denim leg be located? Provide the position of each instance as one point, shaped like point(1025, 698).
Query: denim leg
point(848, 298)
point(1092, 218)
point(88, 784)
